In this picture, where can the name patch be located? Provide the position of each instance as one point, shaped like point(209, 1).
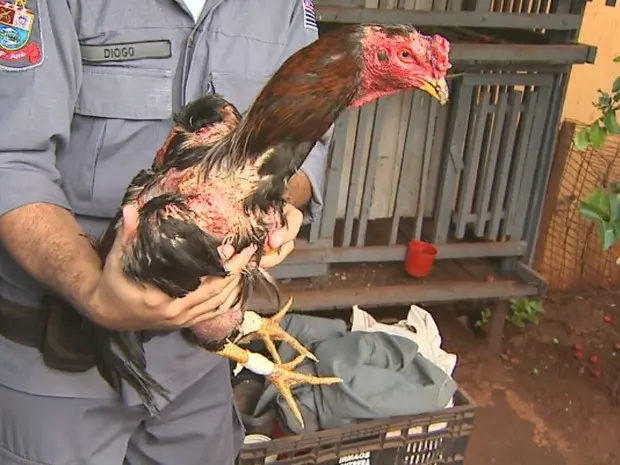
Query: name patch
point(127, 51)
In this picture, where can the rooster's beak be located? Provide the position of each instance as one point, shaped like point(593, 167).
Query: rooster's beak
point(437, 89)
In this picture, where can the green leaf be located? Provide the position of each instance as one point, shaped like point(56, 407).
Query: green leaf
point(597, 135)
point(599, 200)
point(614, 207)
point(607, 234)
point(617, 97)
point(616, 226)
point(611, 123)
point(596, 206)
point(617, 59)
point(616, 86)
point(591, 212)
point(582, 140)
point(605, 99)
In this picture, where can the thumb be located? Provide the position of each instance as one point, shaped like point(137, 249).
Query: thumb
point(126, 229)
point(129, 226)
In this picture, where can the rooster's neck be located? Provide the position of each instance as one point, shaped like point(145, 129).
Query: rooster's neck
point(305, 96)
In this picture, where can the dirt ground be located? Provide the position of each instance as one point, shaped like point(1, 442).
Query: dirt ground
point(541, 403)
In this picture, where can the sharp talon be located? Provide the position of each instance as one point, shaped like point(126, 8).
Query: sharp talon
point(271, 330)
point(283, 378)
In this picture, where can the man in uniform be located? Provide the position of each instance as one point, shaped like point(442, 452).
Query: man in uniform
point(87, 91)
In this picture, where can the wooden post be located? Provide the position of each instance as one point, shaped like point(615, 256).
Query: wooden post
point(562, 151)
point(496, 328)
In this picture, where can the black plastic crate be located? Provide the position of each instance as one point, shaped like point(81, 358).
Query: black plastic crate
point(435, 438)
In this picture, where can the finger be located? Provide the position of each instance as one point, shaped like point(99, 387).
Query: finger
point(232, 299)
point(204, 316)
point(294, 219)
point(212, 308)
point(273, 259)
point(114, 257)
point(212, 290)
point(226, 251)
point(239, 261)
point(211, 287)
point(126, 227)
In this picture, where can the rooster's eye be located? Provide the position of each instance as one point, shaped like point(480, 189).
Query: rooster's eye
point(405, 54)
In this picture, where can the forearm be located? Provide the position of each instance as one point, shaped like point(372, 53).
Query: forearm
point(47, 242)
point(299, 190)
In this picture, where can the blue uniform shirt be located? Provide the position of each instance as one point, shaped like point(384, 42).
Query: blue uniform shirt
point(86, 103)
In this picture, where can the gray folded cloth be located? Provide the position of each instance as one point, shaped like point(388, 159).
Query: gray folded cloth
point(384, 376)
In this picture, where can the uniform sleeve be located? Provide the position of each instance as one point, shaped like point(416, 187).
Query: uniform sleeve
point(302, 32)
point(39, 85)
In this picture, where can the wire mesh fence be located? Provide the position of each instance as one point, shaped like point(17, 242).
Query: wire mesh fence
point(570, 255)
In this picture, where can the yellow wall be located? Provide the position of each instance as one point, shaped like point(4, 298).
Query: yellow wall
point(601, 28)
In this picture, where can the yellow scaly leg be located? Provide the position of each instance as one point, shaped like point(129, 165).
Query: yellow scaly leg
point(281, 376)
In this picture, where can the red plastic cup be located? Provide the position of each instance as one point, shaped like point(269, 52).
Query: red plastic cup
point(420, 258)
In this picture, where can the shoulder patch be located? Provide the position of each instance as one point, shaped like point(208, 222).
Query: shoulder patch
point(309, 15)
point(20, 35)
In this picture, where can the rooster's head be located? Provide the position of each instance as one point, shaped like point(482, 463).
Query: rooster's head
point(397, 58)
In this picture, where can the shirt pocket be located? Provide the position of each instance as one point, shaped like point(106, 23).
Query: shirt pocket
point(125, 93)
point(239, 90)
point(122, 114)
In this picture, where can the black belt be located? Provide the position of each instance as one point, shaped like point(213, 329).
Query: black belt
point(22, 325)
point(56, 330)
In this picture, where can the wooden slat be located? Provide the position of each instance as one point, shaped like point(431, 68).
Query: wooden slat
point(391, 140)
point(452, 160)
point(396, 253)
point(349, 151)
point(428, 145)
point(483, 5)
point(403, 166)
point(532, 161)
point(407, 4)
point(370, 296)
point(520, 154)
point(440, 5)
point(505, 154)
point(299, 270)
point(421, 125)
point(561, 153)
point(505, 158)
point(362, 143)
point(490, 165)
point(423, 5)
point(371, 168)
point(504, 79)
point(472, 159)
point(424, 16)
point(333, 177)
point(439, 140)
point(315, 228)
point(414, 148)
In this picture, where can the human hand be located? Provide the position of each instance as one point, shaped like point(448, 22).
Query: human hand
point(120, 304)
point(282, 240)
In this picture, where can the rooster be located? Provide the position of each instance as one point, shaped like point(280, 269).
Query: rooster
point(221, 178)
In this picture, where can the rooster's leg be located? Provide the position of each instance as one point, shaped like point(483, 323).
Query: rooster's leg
point(281, 376)
point(269, 329)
